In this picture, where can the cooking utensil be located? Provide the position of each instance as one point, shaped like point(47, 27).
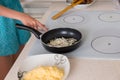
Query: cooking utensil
point(53, 34)
point(74, 3)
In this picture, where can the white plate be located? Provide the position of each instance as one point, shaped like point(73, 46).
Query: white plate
point(59, 60)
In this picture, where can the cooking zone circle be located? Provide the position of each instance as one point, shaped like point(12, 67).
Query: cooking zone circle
point(110, 17)
point(72, 19)
point(106, 44)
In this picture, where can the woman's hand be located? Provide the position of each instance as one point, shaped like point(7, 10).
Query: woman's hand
point(24, 18)
point(32, 22)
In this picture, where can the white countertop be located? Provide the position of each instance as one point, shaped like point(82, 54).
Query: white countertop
point(97, 70)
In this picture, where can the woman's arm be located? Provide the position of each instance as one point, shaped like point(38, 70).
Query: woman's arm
point(24, 18)
point(9, 13)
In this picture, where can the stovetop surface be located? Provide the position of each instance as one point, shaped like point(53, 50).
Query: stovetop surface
point(100, 32)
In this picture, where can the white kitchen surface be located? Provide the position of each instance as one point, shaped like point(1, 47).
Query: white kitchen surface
point(100, 33)
point(88, 62)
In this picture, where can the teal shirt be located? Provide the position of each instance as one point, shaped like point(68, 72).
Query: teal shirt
point(11, 38)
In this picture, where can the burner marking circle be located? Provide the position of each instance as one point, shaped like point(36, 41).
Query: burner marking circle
point(110, 17)
point(106, 44)
point(73, 19)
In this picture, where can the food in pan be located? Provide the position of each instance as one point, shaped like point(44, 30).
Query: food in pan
point(62, 42)
point(44, 73)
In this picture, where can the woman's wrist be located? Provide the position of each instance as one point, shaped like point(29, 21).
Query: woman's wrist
point(19, 15)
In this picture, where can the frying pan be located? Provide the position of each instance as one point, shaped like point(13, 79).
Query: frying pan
point(55, 33)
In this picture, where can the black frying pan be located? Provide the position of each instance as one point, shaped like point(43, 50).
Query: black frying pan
point(55, 33)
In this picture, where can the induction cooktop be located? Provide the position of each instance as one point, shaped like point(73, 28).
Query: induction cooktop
point(100, 31)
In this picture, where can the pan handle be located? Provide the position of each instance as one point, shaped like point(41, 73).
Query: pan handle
point(35, 32)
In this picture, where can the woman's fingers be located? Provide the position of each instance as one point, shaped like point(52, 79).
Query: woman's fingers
point(36, 25)
point(42, 26)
